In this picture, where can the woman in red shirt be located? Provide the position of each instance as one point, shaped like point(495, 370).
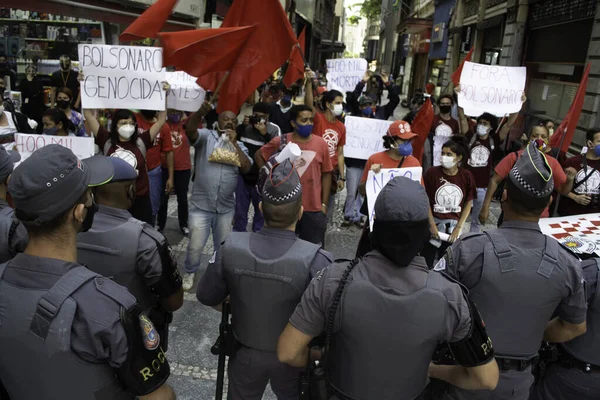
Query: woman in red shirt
point(451, 190)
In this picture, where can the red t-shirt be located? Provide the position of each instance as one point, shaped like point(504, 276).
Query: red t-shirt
point(334, 134)
point(503, 169)
point(586, 182)
point(480, 157)
point(452, 123)
point(162, 143)
point(129, 152)
point(447, 194)
point(387, 162)
point(313, 162)
point(181, 148)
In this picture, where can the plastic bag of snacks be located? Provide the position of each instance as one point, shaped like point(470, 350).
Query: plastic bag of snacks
point(224, 152)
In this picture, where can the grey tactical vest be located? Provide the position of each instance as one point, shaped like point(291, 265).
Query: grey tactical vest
point(517, 294)
point(6, 220)
point(264, 293)
point(35, 344)
point(113, 253)
point(385, 341)
point(586, 347)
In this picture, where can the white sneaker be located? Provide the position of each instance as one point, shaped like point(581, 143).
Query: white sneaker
point(188, 281)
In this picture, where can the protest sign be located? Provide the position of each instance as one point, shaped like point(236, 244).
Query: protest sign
point(491, 88)
point(364, 137)
point(578, 233)
point(376, 182)
point(184, 94)
point(343, 74)
point(122, 77)
point(82, 147)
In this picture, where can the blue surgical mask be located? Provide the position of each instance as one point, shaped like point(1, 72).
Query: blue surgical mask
point(51, 131)
point(367, 111)
point(597, 150)
point(304, 130)
point(405, 149)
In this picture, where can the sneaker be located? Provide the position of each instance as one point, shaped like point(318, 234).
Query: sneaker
point(185, 231)
point(188, 281)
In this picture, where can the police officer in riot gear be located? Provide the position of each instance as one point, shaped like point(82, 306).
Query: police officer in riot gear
point(387, 313)
point(519, 279)
point(67, 332)
point(14, 234)
point(265, 274)
point(577, 372)
point(131, 252)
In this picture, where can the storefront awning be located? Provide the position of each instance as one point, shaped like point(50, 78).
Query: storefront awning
point(414, 25)
point(329, 46)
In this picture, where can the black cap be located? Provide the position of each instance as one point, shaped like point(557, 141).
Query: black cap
point(532, 173)
point(364, 100)
point(283, 184)
point(7, 160)
point(123, 170)
point(53, 179)
point(402, 199)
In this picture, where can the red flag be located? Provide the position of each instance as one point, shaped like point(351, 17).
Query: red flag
point(150, 22)
point(564, 134)
point(422, 126)
point(201, 51)
point(456, 74)
point(295, 68)
point(265, 50)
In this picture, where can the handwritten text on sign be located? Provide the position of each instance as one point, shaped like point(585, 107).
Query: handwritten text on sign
point(376, 182)
point(491, 88)
point(82, 147)
point(185, 94)
point(343, 74)
point(364, 137)
point(122, 77)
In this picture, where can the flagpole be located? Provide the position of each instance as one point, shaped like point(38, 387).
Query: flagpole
point(215, 96)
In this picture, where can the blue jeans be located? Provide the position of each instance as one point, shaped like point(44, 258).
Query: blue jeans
point(156, 189)
point(353, 199)
point(244, 194)
point(201, 223)
point(477, 204)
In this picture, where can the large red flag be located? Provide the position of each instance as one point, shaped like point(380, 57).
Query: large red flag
point(295, 68)
point(456, 74)
point(265, 51)
point(422, 126)
point(564, 134)
point(150, 22)
point(201, 51)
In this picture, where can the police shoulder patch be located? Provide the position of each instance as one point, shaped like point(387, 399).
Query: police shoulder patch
point(441, 265)
point(150, 336)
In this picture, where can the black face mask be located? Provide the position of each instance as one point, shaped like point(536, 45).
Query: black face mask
point(148, 114)
point(65, 66)
point(398, 241)
point(86, 225)
point(445, 109)
point(63, 104)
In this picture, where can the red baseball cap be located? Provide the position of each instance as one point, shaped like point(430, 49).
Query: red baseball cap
point(401, 129)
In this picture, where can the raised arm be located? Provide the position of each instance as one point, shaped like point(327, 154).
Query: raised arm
point(309, 100)
point(193, 122)
point(512, 118)
point(91, 121)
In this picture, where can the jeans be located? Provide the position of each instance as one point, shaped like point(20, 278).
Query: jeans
point(182, 183)
point(244, 194)
point(477, 204)
point(331, 208)
point(155, 181)
point(353, 199)
point(201, 224)
point(312, 227)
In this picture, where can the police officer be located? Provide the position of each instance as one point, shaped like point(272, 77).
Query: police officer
point(130, 251)
point(519, 278)
point(265, 274)
point(577, 372)
point(387, 313)
point(67, 332)
point(14, 234)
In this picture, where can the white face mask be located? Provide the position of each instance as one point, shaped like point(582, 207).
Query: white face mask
point(482, 130)
point(448, 162)
point(284, 109)
point(338, 109)
point(126, 131)
point(551, 131)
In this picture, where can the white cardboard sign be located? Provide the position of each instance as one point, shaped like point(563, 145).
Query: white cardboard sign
point(185, 94)
point(82, 147)
point(491, 88)
point(376, 182)
point(364, 137)
point(343, 74)
point(122, 77)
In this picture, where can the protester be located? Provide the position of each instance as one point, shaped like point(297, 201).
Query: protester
point(182, 166)
point(313, 166)
point(11, 122)
point(213, 198)
point(318, 100)
point(255, 132)
point(585, 194)
point(7, 72)
point(65, 77)
point(64, 99)
point(367, 105)
point(55, 123)
point(549, 124)
point(279, 112)
point(32, 95)
point(451, 189)
point(442, 128)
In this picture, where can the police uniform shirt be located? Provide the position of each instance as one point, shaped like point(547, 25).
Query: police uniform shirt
point(464, 261)
point(97, 333)
point(311, 314)
point(270, 244)
point(19, 238)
